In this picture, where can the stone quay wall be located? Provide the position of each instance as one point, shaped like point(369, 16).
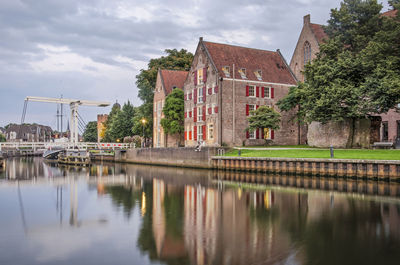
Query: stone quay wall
point(365, 169)
point(179, 157)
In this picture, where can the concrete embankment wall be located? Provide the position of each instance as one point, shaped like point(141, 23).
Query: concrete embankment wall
point(180, 157)
point(369, 169)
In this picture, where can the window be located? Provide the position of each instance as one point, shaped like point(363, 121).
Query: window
point(267, 133)
point(252, 91)
point(200, 76)
point(200, 95)
point(199, 113)
point(258, 74)
point(251, 108)
point(252, 134)
point(242, 72)
point(267, 92)
point(307, 52)
point(211, 131)
point(385, 131)
point(199, 133)
point(226, 71)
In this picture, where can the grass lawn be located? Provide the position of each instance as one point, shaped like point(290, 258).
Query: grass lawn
point(322, 153)
point(282, 146)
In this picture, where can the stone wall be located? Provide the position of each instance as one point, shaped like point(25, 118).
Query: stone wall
point(338, 134)
point(182, 157)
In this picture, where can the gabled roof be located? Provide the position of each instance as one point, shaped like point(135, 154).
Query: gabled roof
point(272, 65)
point(319, 32)
point(172, 79)
point(390, 13)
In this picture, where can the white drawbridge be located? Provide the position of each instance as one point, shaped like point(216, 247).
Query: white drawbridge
point(73, 103)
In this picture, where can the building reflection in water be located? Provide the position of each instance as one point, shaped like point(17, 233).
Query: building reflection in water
point(186, 218)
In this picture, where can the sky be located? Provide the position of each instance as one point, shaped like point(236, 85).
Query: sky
point(93, 49)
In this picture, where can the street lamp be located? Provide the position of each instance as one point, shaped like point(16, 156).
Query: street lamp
point(143, 121)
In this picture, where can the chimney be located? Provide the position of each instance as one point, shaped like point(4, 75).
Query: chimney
point(306, 19)
point(201, 39)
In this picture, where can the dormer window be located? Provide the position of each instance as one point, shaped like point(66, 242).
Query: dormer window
point(242, 72)
point(226, 71)
point(258, 74)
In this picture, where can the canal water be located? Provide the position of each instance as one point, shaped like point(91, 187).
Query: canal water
point(130, 214)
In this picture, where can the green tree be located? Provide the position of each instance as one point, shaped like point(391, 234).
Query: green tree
point(141, 113)
point(146, 82)
point(357, 70)
point(173, 121)
point(264, 117)
point(2, 138)
point(90, 133)
point(122, 123)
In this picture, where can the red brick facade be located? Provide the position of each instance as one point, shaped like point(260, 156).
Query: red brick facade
point(224, 84)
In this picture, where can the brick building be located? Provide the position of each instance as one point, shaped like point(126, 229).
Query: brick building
point(167, 80)
point(28, 133)
point(224, 84)
point(311, 36)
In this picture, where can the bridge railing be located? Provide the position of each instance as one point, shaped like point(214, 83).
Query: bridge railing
point(67, 145)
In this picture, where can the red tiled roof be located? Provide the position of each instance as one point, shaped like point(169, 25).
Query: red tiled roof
point(271, 64)
point(390, 13)
point(319, 32)
point(173, 78)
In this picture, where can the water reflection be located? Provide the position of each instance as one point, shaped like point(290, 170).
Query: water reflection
point(176, 216)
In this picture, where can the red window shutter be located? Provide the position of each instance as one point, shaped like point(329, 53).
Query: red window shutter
point(257, 92)
point(185, 114)
point(195, 77)
point(209, 110)
point(247, 91)
point(257, 134)
point(195, 114)
point(185, 96)
point(204, 113)
point(216, 109)
point(190, 96)
point(262, 92)
point(195, 96)
point(272, 134)
point(247, 135)
point(272, 92)
point(185, 135)
point(209, 90)
point(195, 133)
point(247, 109)
point(216, 89)
point(262, 133)
point(204, 94)
point(257, 106)
point(190, 114)
point(205, 74)
point(204, 132)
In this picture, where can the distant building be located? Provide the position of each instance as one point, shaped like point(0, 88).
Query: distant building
point(167, 80)
point(28, 133)
point(101, 128)
point(224, 85)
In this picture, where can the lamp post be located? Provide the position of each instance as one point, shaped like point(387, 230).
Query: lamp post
point(143, 121)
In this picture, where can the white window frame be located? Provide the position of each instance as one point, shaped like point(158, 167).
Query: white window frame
point(254, 88)
point(251, 108)
point(199, 113)
point(210, 128)
point(227, 71)
point(200, 97)
point(200, 81)
point(269, 92)
point(199, 132)
point(242, 72)
point(252, 135)
point(258, 74)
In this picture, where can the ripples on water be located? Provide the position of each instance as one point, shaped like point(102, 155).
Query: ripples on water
point(130, 214)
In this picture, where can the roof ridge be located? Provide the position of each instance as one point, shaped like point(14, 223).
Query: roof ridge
point(238, 46)
point(174, 70)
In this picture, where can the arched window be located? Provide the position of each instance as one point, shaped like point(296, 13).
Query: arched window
point(307, 52)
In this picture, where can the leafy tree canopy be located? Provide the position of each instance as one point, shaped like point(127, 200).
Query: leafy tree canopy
point(173, 121)
point(357, 70)
point(90, 133)
point(141, 113)
point(264, 117)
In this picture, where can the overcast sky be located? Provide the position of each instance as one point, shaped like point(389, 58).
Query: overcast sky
point(93, 49)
